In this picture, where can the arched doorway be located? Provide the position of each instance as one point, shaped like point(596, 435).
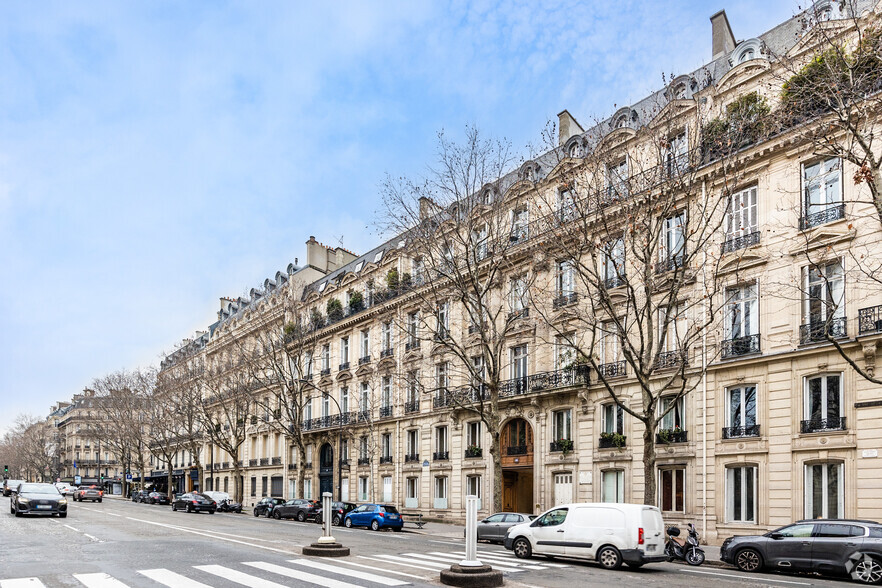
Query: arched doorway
point(517, 466)
point(326, 469)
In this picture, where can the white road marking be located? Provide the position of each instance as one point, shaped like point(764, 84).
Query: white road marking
point(409, 563)
point(93, 538)
point(753, 578)
point(239, 577)
point(503, 559)
point(513, 567)
point(73, 529)
point(446, 542)
point(353, 573)
point(405, 574)
point(504, 562)
point(112, 514)
point(299, 575)
point(214, 536)
point(22, 583)
point(238, 535)
point(171, 579)
point(100, 580)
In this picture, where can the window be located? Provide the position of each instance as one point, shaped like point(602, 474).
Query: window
point(387, 335)
point(365, 343)
point(344, 350)
point(326, 356)
point(307, 362)
point(520, 223)
point(672, 327)
point(741, 219)
point(263, 485)
point(822, 192)
point(677, 156)
point(479, 242)
point(326, 405)
point(416, 270)
point(564, 354)
point(741, 415)
point(362, 488)
point(617, 180)
point(741, 494)
point(413, 328)
point(344, 399)
point(613, 418)
point(386, 445)
point(363, 450)
point(612, 486)
point(671, 489)
point(609, 344)
point(413, 442)
point(614, 263)
point(413, 386)
point(411, 492)
point(307, 408)
point(566, 205)
point(253, 486)
point(478, 371)
point(441, 439)
point(742, 314)
point(517, 299)
point(441, 379)
point(823, 403)
point(562, 421)
point(673, 242)
point(552, 518)
point(518, 365)
point(473, 434)
point(365, 397)
point(441, 491)
point(565, 281)
point(823, 491)
point(473, 486)
point(344, 450)
point(673, 420)
point(823, 302)
point(442, 320)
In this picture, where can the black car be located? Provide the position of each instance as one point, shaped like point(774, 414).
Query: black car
point(38, 499)
point(340, 510)
point(837, 547)
point(194, 502)
point(299, 508)
point(140, 495)
point(266, 505)
point(156, 498)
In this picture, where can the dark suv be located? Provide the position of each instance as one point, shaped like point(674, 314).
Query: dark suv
point(339, 510)
point(266, 505)
point(298, 508)
point(826, 546)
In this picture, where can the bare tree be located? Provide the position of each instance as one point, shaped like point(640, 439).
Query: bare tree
point(30, 449)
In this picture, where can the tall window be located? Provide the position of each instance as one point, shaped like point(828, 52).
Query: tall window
point(617, 180)
point(518, 366)
point(517, 299)
point(742, 407)
point(562, 423)
point(416, 270)
point(387, 335)
point(674, 419)
point(413, 386)
point(609, 343)
point(614, 263)
point(307, 408)
point(479, 242)
point(326, 356)
point(823, 299)
point(672, 327)
point(307, 364)
point(823, 401)
point(741, 217)
point(613, 418)
point(344, 350)
point(741, 494)
point(344, 399)
point(344, 449)
point(565, 282)
point(441, 492)
point(365, 343)
point(386, 445)
point(442, 381)
point(442, 320)
point(742, 315)
point(473, 486)
point(363, 488)
point(363, 452)
point(412, 489)
point(677, 155)
point(473, 434)
point(413, 328)
point(822, 192)
point(364, 400)
point(386, 391)
point(566, 205)
point(413, 442)
point(613, 486)
point(520, 223)
point(441, 439)
point(672, 489)
point(564, 354)
point(478, 370)
point(326, 405)
point(823, 491)
point(673, 241)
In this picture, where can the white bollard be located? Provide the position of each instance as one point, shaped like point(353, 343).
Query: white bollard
point(327, 518)
point(471, 535)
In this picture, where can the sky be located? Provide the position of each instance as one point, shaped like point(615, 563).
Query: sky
point(155, 156)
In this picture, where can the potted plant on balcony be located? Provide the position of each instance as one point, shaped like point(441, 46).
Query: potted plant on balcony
point(667, 436)
point(356, 301)
point(616, 440)
point(316, 319)
point(335, 310)
point(564, 445)
point(392, 281)
point(473, 451)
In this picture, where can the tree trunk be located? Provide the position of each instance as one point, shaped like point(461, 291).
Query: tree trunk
point(496, 454)
point(301, 469)
point(237, 480)
point(649, 482)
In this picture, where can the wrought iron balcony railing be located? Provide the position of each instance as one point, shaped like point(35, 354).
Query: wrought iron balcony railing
point(388, 352)
point(363, 461)
point(344, 366)
point(739, 432)
point(411, 345)
point(364, 360)
point(384, 459)
point(870, 320)
point(818, 331)
point(671, 359)
point(264, 461)
point(252, 463)
point(565, 300)
point(474, 452)
point(561, 445)
point(666, 436)
point(828, 215)
point(326, 371)
point(821, 425)
point(518, 449)
point(742, 242)
point(276, 461)
point(615, 369)
point(440, 455)
point(385, 411)
point(572, 376)
point(442, 399)
point(412, 458)
point(740, 346)
point(411, 406)
point(613, 282)
point(519, 314)
point(670, 263)
point(611, 441)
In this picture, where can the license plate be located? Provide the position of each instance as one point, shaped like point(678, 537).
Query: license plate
point(651, 547)
point(44, 506)
point(393, 516)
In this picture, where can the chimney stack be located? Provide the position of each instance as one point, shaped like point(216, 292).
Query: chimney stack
point(567, 127)
point(723, 40)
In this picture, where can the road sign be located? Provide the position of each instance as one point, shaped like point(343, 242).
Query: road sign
point(78, 480)
point(128, 477)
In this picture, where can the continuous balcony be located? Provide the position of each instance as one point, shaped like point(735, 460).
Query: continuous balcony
point(276, 461)
point(741, 432)
point(740, 346)
point(252, 463)
point(565, 300)
point(815, 332)
point(742, 242)
point(822, 425)
point(442, 399)
point(828, 215)
point(870, 320)
point(574, 376)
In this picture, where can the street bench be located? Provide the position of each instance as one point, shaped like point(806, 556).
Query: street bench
point(416, 519)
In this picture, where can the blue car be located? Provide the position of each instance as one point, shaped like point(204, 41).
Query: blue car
point(375, 516)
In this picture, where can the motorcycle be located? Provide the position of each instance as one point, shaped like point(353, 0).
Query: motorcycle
point(686, 549)
point(226, 505)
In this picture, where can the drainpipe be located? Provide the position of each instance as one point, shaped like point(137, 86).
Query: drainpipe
point(704, 397)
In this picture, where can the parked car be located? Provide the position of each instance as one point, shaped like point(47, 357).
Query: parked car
point(194, 502)
point(825, 546)
point(157, 498)
point(140, 495)
point(493, 528)
point(225, 502)
point(10, 486)
point(609, 533)
point(298, 508)
point(375, 516)
point(38, 499)
point(266, 505)
point(339, 510)
point(92, 493)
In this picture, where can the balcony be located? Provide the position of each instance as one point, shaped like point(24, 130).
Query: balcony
point(671, 359)
point(385, 411)
point(815, 332)
point(741, 432)
point(412, 458)
point(474, 452)
point(740, 346)
point(572, 376)
point(828, 215)
point(292, 466)
point(308, 377)
point(326, 371)
point(870, 320)
point(388, 352)
point(344, 463)
point(344, 366)
point(412, 345)
point(364, 360)
point(518, 449)
point(308, 465)
point(442, 335)
point(264, 461)
point(252, 463)
point(822, 425)
point(670, 263)
point(363, 461)
point(519, 314)
point(742, 242)
point(443, 399)
point(411, 406)
point(565, 300)
point(615, 369)
point(613, 282)
point(385, 459)
point(564, 445)
point(440, 456)
point(667, 436)
point(225, 465)
point(612, 441)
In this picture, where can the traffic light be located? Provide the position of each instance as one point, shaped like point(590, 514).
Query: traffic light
point(6, 469)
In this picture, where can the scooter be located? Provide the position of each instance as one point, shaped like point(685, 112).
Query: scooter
point(685, 549)
point(229, 506)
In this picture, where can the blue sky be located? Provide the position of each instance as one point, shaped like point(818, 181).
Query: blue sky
point(155, 156)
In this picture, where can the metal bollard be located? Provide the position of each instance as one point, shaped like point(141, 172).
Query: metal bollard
point(327, 517)
point(471, 536)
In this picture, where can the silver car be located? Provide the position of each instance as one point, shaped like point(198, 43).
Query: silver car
point(493, 528)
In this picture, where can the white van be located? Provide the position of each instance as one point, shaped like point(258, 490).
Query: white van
point(610, 533)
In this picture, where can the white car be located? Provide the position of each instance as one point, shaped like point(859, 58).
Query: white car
point(64, 489)
point(609, 533)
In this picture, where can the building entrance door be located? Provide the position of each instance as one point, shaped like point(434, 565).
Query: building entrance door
point(517, 466)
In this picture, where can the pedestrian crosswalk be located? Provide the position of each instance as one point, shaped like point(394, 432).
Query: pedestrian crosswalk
point(356, 571)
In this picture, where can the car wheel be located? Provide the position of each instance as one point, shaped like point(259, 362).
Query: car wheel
point(277, 516)
point(211, 511)
point(749, 560)
point(348, 523)
point(268, 514)
point(62, 515)
point(522, 548)
point(867, 571)
point(18, 514)
point(189, 508)
point(257, 514)
point(337, 521)
point(609, 557)
point(375, 525)
point(301, 516)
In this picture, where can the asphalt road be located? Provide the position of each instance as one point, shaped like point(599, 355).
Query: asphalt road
point(118, 543)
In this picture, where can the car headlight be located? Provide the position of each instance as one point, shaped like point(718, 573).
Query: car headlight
point(63, 501)
point(23, 500)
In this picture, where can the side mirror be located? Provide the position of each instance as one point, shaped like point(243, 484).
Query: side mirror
point(484, 520)
point(776, 535)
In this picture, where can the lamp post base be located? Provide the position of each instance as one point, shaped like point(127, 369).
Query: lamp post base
point(326, 550)
point(471, 576)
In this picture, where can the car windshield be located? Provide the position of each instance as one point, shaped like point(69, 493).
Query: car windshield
point(390, 509)
point(204, 497)
point(40, 488)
